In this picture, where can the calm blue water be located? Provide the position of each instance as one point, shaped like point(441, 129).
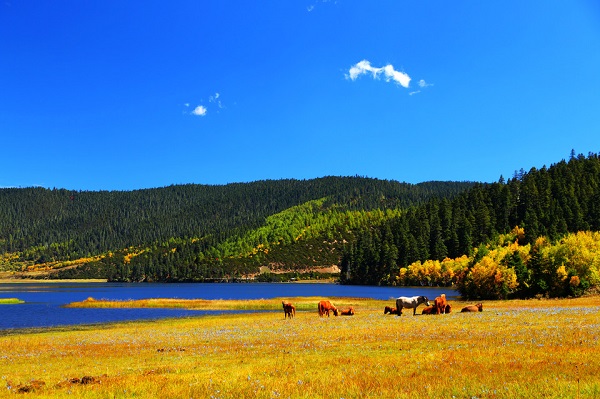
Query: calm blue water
point(44, 302)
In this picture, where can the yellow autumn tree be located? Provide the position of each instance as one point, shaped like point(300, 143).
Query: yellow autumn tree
point(425, 273)
point(579, 255)
point(452, 269)
point(489, 279)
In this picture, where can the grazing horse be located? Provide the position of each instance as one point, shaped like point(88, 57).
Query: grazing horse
point(428, 310)
point(440, 304)
point(473, 308)
point(390, 310)
point(411, 303)
point(325, 307)
point(288, 309)
point(347, 312)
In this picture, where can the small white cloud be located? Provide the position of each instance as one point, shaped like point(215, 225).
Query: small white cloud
point(215, 99)
point(399, 77)
point(422, 83)
point(200, 110)
point(363, 67)
point(311, 7)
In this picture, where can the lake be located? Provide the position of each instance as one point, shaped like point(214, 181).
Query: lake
point(44, 302)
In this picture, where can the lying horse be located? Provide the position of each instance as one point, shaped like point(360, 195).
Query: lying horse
point(347, 312)
point(390, 310)
point(440, 304)
point(325, 307)
point(288, 309)
point(473, 308)
point(428, 310)
point(432, 309)
point(411, 303)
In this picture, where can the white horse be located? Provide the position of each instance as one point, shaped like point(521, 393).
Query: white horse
point(410, 302)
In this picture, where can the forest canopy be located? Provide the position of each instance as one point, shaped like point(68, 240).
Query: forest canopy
point(529, 235)
point(463, 240)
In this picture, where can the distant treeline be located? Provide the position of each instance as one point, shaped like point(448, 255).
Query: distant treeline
point(184, 232)
point(547, 202)
point(496, 240)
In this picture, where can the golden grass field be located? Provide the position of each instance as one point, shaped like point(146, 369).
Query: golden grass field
point(513, 349)
point(10, 301)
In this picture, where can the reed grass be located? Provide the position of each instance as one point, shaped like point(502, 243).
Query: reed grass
point(301, 303)
point(10, 301)
point(524, 349)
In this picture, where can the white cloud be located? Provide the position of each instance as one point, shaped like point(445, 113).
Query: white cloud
point(422, 83)
point(311, 7)
point(200, 110)
point(363, 67)
point(399, 77)
point(215, 99)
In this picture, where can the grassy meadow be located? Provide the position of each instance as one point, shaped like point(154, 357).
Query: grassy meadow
point(513, 349)
point(10, 301)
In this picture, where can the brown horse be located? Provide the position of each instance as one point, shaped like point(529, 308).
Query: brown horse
point(288, 309)
point(440, 304)
point(347, 312)
point(429, 310)
point(324, 308)
point(390, 310)
point(448, 308)
point(473, 308)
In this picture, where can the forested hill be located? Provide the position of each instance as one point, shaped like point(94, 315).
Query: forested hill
point(188, 226)
point(535, 234)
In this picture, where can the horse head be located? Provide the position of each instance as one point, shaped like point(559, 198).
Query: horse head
point(423, 299)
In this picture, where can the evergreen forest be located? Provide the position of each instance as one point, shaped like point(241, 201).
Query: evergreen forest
point(534, 234)
point(196, 232)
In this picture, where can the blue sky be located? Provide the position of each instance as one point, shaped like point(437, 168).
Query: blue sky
point(121, 95)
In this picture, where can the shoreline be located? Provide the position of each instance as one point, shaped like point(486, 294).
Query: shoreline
point(29, 280)
point(101, 280)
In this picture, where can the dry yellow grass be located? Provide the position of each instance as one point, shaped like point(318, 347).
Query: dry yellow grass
point(301, 303)
point(10, 301)
point(513, 349)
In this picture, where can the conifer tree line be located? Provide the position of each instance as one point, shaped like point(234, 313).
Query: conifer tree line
point(183, 231)
point(533, 234)
point(443, 241)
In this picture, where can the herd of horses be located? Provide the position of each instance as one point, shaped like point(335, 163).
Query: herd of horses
point(440, 306)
